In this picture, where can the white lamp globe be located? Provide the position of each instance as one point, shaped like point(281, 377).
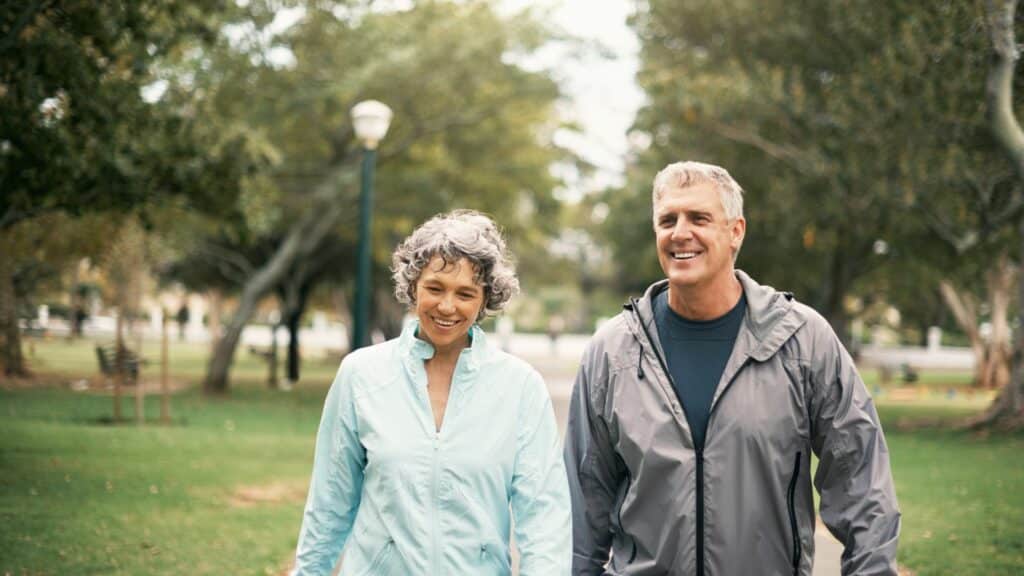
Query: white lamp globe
point(371, 119)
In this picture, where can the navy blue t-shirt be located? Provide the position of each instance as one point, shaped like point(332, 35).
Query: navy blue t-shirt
point(696, 352)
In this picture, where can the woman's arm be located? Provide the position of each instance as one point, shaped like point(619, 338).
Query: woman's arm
point(337, 482)
point(540, 489)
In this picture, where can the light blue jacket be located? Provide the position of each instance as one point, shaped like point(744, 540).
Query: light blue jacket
point(403, 499)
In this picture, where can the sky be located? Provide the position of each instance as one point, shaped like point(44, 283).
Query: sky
point(603, 96)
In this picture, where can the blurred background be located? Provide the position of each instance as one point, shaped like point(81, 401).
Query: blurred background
point(181, 222)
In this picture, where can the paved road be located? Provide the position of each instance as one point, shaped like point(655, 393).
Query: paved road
point(558, 375)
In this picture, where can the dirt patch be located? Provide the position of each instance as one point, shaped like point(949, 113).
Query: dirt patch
point(278, 492)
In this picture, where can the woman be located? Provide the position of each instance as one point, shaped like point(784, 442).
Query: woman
point(428, 440)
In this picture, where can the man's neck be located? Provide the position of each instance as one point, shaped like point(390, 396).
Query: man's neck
point(705, 302)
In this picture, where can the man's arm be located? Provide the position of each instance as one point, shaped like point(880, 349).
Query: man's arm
point(540, 494)
point(858, 500)
point(336, 486)
point(593, 477)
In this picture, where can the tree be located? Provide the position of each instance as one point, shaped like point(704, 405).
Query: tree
point(471, 128)
point(1007, 410)
point(814, 107)
point(32, 263)
point(76, 133)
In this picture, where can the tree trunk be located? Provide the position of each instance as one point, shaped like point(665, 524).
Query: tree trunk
point(834, 307)
point(992, 357)
point(223, 355)
point(293, 360)
point(1000, 348)
point(13, 360)
point(119, 363)
point(272, 382)
point(1007, 410)
point(214, 309)
point(302, 240)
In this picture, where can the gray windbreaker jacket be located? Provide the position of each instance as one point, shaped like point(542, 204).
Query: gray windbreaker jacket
point(743, 505)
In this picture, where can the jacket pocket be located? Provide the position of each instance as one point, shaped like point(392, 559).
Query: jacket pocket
point(494, 554)
point(380, 559)
point(791, 507)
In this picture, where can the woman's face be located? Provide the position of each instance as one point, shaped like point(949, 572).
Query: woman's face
point(448, 300)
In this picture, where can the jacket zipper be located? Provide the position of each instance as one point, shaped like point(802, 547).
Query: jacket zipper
point(698, 449)
point(436, 499)
point(790, 504)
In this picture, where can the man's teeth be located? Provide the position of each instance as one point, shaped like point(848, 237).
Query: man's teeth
point(683, 255)
point(446, 323)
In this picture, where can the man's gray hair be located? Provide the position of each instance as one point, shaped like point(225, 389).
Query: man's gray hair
point(685, 174)
point(452, 236)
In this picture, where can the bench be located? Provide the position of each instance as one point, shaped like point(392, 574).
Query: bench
point(907, 372)
point(262, 351)
point(111, 362)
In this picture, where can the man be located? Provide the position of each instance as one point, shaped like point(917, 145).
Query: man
point(695, 411)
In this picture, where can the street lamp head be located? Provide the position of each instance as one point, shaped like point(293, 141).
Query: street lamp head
point(370, 119)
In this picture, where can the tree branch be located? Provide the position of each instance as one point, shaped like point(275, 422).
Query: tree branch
point(999, 85)
point(800, 160)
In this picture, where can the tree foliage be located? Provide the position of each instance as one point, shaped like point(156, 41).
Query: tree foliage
point(471, 129)
point(840, 119)
point(76, 133)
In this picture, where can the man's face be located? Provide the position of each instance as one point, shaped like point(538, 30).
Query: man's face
point(695, 241)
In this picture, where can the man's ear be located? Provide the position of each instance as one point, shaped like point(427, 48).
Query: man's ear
point(737, 230)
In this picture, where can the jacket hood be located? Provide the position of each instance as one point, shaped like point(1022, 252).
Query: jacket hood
point(771, 317)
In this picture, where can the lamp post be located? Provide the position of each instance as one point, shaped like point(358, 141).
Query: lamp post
point(370, 120)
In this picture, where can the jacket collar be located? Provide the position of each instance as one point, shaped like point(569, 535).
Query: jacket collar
point(770, 320)
point(414, 351)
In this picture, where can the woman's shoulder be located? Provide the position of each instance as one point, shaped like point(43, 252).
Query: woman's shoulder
point(513, 371)
point(374, 359)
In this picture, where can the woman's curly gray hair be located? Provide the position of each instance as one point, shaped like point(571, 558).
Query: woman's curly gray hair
point(452, 236)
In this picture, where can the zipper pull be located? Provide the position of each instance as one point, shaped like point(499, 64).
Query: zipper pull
point(640, 364)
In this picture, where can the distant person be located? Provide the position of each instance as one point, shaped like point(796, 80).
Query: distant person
point(555, 327)
point(695, 412)
point(427, 441)
point(182, 318)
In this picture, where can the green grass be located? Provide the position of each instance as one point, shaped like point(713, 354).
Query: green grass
point(78, 496)
point(961, 493)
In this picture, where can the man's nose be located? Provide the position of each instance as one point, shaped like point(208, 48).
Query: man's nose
point(682, 230)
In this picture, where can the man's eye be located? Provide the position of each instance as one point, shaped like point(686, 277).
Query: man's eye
point(433, 289)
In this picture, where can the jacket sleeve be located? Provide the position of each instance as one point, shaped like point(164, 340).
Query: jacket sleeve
point(858, 500)
point(594, 477)
point(540, 492)
point(336, 486)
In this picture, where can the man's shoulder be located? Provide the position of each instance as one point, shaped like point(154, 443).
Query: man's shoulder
point(611, 333)
point(815, 338)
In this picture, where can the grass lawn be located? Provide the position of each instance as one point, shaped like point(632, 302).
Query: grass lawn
point(961, 494)
point(221, 490)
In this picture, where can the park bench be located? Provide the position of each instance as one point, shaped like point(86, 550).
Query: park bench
point(263, 352)
point(907, 372)
point(109, 362)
